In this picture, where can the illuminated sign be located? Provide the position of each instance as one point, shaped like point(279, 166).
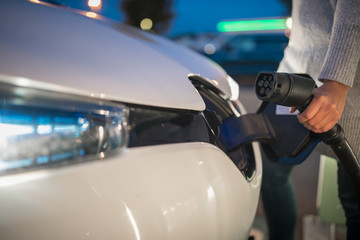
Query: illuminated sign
point(252, 25)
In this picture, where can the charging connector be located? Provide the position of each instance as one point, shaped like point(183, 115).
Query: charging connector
point(296, 90)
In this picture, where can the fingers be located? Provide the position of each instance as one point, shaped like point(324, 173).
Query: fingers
point(326, 107)
point(322, 125)
point(292, 109)
point(311, 112)
point(320, 116)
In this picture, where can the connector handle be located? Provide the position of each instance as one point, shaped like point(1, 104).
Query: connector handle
point(296, 90)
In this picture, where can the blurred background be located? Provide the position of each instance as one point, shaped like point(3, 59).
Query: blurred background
point(244, 37)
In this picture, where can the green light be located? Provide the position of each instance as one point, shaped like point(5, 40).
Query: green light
point(251, 25)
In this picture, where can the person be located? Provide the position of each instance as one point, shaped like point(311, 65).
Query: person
point(324, 43)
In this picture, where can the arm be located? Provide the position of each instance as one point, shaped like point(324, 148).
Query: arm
point(338, 70)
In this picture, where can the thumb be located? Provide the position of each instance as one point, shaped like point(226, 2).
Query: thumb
point(292, 109)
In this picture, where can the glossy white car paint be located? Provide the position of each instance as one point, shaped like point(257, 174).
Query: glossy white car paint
point(179, 191)
point(89, 56)
point(90, 52)
point(173, 191)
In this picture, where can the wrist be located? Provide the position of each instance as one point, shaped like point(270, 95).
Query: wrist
point(335, 85)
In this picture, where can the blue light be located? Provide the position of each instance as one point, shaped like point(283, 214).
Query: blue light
point(5, 165)
point(38, 133)
point(42, 159)
point(61, 156)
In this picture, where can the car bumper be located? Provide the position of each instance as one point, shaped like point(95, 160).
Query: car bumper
point(174, 191)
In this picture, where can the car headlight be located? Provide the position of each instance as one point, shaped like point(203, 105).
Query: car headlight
point(41, 129)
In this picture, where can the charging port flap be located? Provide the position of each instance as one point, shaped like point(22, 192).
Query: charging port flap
point(244, 129)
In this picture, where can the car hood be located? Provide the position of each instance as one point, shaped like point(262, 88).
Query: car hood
point(66, 51)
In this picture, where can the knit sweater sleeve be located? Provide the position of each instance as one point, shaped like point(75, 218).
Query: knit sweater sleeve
point(343, 54)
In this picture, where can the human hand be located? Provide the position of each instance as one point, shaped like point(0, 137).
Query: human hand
point(326, 107)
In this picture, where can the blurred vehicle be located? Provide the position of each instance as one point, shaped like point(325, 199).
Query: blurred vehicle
point(195, 41)
point(246, 54)
point(108, 132)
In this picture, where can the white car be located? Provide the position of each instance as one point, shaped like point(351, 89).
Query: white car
point(109, 132)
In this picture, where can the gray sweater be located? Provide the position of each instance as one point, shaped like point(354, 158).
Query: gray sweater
point(325, 43)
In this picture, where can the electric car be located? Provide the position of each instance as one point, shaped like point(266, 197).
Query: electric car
point(109, 132)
